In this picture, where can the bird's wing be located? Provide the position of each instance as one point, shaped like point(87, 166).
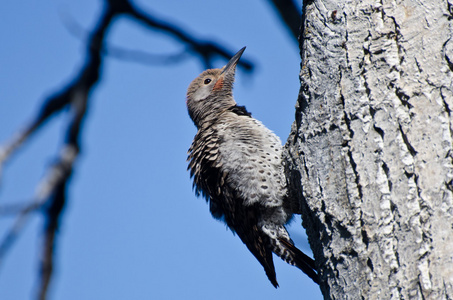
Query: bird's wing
point(204, 167)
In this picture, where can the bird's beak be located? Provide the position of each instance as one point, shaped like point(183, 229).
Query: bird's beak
point(231, 65)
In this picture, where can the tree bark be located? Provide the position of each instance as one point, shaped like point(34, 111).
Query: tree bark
point(370, 152)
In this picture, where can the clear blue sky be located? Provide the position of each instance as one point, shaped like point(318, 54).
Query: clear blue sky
point(133, 228)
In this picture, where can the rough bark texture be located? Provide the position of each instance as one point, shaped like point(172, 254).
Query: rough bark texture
point(370, 153)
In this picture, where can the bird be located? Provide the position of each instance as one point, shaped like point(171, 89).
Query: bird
point(236, 164)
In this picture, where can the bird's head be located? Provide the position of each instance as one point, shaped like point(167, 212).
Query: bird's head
point(212, 92)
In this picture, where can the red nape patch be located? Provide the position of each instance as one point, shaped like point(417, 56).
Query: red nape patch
point(218, 85)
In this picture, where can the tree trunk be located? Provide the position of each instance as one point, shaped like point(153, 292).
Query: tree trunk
point(370, 154)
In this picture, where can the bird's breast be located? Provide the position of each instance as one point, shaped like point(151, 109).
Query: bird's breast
point(251, 155)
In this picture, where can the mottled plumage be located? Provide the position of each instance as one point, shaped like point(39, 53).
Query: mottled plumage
point(236, 164)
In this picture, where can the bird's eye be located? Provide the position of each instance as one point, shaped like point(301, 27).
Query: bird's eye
point(207, 81)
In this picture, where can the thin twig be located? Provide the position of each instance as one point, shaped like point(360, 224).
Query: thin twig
point(143, 57)
point(17, 208)
point(15, 230)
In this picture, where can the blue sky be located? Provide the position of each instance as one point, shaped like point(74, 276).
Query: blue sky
point(133, 228)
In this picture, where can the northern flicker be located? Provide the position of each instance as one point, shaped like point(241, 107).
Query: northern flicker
point(236, 164)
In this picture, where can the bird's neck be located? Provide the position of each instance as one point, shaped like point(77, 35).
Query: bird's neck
point(212, 110)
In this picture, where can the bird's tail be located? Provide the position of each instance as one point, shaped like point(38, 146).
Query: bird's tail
point(295, 257)
point(285, 249)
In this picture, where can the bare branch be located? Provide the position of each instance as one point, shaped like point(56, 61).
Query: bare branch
point(53, 215)
point(205, 50)
point(290, 15)
point(76, 95)
point(121, 53)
